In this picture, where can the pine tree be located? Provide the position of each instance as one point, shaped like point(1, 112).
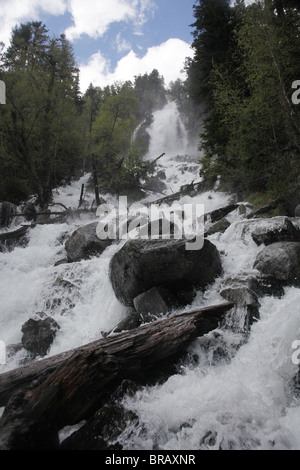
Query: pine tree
point(40, 124)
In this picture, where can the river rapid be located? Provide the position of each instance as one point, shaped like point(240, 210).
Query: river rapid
point(235, 390)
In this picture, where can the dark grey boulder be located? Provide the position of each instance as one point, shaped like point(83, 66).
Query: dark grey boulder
point(101, 431)
point(219, 227)
point(291, 201)
point(131, 321)
point(262, 285)
point(38, 335)
point(7, 212)
point(276, 230)
point(154, 303)
point(245, 298)
point(84, 243)
point(29, 212)
point(240, 296)
point(281, 260)
point(155, 184)
point(142, 264)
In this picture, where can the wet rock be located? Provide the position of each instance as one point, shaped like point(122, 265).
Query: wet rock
point(156, 184)
point(242, 209)
point(276, 230)
point(161, 174)
point(84, 243)
point(154, 303)
point(281, 260)
point(261, 285)
point(297, 211)
point(243, 297)
point(142, 264)
point(240, 296)
point(29, 212)
point(61, 261)
point(7, 212)
point(38, 335)
point(132, 320)
point(101, 432)
point(291, 201)
point(219, 227)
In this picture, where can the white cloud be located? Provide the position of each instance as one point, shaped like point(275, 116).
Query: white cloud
point(93, 17)
point(13, 12)
point(168, 58)
point(121, 44)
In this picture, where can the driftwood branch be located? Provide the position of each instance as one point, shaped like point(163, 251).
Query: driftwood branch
point(152, 163)
point(62, 390)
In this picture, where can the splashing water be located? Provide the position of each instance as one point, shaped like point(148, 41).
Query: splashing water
point(234, 392)
point(168, 133)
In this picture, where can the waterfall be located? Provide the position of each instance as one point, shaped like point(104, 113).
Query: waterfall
point(230, 393)
point(168, 133)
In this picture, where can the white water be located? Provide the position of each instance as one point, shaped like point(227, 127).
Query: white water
point(242, 401)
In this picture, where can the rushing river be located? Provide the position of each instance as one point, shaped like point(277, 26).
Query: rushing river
point(241, 398)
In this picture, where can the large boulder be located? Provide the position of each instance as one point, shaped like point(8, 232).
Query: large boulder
point(84, 243)
point(142, 264)
point(274, 230)
point(281, 260)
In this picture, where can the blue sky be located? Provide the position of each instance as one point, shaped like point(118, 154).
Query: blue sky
point(113, 39)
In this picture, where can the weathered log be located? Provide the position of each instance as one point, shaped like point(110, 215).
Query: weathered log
point(218, 214)
point(178, 195)
point(8, 239)
point(67, 388)
point(15, 235)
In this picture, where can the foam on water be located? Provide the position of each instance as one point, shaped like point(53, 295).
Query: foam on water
point(244, 404)
point(241, 398)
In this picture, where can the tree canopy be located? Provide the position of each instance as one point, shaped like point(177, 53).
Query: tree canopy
point(50, 132)
point(251, 127)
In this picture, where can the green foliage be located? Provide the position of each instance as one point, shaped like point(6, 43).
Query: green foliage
point(49, 132)
point(39, 125)
point(213, 26)
point(150, 91)
point(118, 117)
point(251, 136)
point(112, 131)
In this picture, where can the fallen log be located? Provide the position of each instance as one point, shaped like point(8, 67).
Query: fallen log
point(185, 191)
point(8, 239)
point(218, 214)
point(63, 390)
